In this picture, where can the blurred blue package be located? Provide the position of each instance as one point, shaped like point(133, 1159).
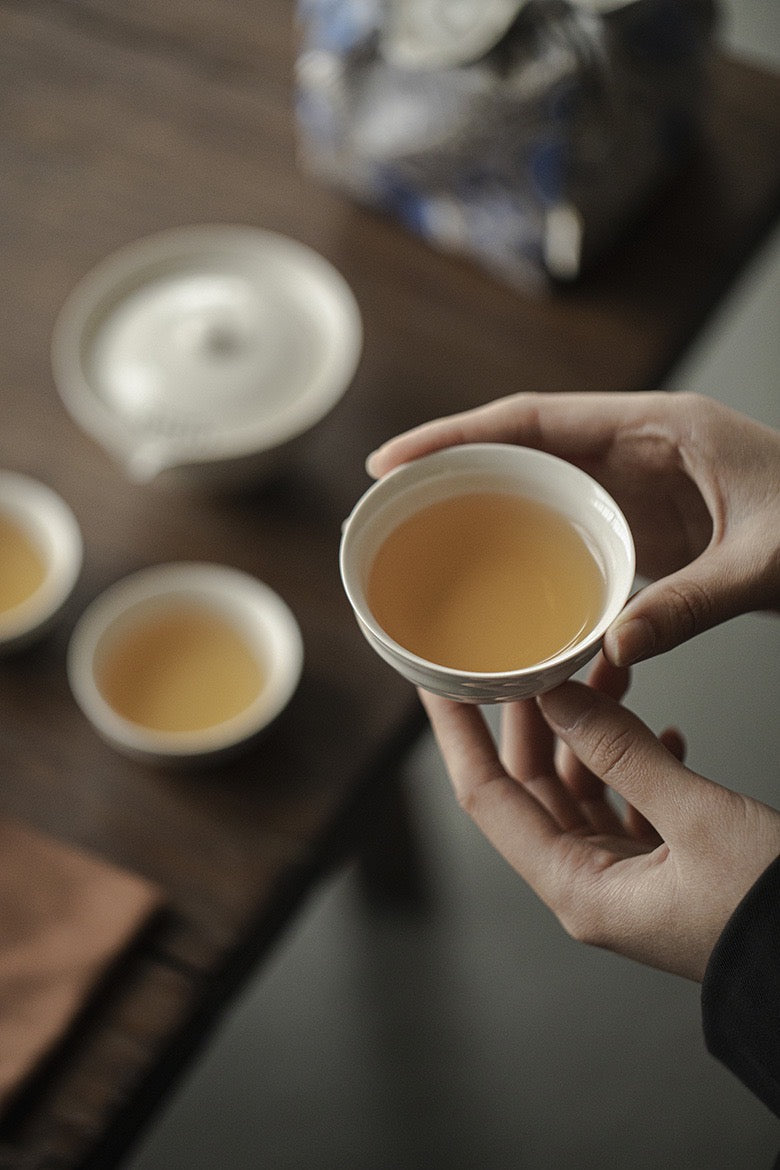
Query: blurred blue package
point(527, 134)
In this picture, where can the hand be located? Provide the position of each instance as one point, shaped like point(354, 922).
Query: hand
point(699, 484)
point(656, 883)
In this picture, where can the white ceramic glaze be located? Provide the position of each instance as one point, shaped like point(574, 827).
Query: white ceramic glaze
point(487, 467)
point(54, 531)
point(204, 350)
point(440, 34)
point(261, 617)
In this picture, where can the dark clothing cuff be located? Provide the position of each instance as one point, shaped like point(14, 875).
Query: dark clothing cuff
point(740, 994)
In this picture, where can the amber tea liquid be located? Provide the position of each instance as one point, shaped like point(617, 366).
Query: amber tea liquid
point(184, 670)
point(22, 567)
point(486, 582)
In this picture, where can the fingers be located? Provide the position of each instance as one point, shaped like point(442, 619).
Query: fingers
point(587, 788)
point(527, 752)
point(574, 426)
point(527, 743)
point(617, 747)
point(609, 680)
point(566, 869)
point(716, 471)
point(637, 826)
point(519, 827)
point(718, 585)
point(674, 742)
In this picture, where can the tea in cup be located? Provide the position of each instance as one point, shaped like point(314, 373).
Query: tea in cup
point(487, 572)
point(184, 662)
point(41, 553)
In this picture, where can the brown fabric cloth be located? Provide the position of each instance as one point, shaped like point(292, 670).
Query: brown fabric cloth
point(65, 916)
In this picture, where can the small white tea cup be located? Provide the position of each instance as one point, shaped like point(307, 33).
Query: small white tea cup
point(39, 516)
point(263, 622)
point(488, 467)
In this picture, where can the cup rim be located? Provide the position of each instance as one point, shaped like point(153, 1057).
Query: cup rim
point(232, 593)
point(428, 468)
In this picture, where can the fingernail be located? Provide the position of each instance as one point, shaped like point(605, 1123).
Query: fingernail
point(371, 467)
point(564, 707)
point(630, 641)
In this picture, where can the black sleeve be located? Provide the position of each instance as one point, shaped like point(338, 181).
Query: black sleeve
point(741, 991)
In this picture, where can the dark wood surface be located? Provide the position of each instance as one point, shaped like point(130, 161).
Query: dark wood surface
point(118, 119)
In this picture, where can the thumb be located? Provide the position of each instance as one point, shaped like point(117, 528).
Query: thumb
point(710, 590)
point(615, 745)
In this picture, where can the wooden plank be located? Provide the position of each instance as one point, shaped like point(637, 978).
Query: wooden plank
point(93, 1075)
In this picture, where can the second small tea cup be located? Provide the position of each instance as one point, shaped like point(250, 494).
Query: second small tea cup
point(184, 663)
point(40, 558)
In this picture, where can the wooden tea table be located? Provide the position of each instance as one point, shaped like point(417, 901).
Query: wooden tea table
point(118, 120)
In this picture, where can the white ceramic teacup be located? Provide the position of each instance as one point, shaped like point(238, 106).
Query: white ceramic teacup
point(262, 623)
point(36, 514)
point(475, 468)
